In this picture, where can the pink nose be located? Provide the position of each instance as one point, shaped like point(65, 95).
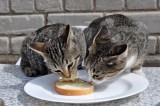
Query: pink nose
point(66, 74)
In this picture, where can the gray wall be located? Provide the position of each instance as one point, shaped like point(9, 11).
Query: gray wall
point(18, 17)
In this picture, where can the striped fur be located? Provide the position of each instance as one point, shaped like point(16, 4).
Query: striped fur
point(112, 41)
point(53, 48)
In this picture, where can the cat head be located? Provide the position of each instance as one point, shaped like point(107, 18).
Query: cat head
point(102, 62)
point(60, 53)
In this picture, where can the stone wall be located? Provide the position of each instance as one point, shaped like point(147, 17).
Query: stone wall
point(18, 17)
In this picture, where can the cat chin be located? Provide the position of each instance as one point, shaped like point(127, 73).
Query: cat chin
point(109, 79)
point(98, 82)
point(105, 80)
point(95, 82)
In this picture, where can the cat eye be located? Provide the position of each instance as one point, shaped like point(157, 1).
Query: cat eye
point(58, 71)
point(76, 57)
point(94, 70)
point(67, 61)
point(70, 65)
point(111, 64)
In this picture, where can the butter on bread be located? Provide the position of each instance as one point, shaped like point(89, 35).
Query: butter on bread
point(73, 87)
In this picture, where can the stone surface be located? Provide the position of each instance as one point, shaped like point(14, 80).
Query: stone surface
point(158, 43)
point(152, 43)
point(9, 59)
point(152, 61)
point(4, 42)
point(16, 43)
point(1, 102)
point(78, 4)
point(20, 23)
point(141, 4)
point(103, 5)
point(22, 6)
point(158, 2)
point(4, 6)
point(74, 18)
point(49, 5)
point(12, 91)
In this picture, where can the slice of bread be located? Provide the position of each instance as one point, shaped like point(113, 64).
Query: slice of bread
point(73, 88)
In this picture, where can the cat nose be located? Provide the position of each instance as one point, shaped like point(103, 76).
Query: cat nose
point(66, 74)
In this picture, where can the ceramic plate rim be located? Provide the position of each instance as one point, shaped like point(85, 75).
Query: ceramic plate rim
point(92, 100)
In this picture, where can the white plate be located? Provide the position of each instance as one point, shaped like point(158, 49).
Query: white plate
point(126, 85)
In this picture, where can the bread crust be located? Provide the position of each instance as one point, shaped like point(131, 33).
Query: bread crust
point(74, 92)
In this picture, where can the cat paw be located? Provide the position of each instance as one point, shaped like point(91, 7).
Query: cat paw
point(139, 72)
point(30, 72)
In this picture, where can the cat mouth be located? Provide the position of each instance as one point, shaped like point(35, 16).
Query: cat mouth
point(71, 74)
point(94, 81)
point(107, 78)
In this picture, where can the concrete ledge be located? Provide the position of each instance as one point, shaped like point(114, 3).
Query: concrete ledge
point(1, 102)
point(152, 61)
point(9, 59)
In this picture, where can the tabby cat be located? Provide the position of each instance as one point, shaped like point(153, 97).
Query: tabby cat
point(115, 43)
point(56, 48)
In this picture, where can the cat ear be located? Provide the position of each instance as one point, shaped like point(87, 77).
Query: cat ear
point(38, 47)
point(66, 35)
point(119, 50)
point(102, 35)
